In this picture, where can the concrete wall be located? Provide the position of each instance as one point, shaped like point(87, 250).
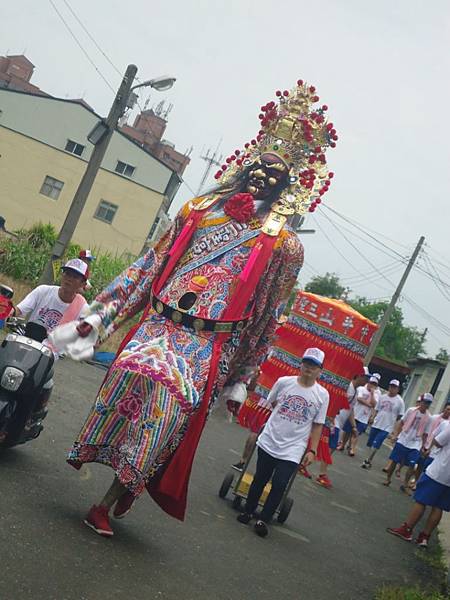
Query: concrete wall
point(24, 163)
point(421, 380)
point(443, 392)
point(53, 122)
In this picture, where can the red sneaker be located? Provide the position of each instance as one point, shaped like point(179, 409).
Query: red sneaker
point(98, 520)
point(403, 532)
point(422, 540)
point(324, 481)
point(304, 471)
point(124, 505)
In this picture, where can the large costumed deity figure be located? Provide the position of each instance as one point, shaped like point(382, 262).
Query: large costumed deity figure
point(331, 325)
point(211, 291)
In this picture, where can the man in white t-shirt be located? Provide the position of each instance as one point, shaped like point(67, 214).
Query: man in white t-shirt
point(433, 489)
point(389, 409)
point(410, 436)
point(436, 425)
point(47, 305)
point(346, 414)
point(366, 399)
point(300, 407)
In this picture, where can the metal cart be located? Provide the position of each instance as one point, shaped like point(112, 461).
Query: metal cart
point(240, 484)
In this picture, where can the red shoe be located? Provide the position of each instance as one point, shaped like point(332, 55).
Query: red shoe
point(98, 520)
point(304, 471)
point(422, 540)
point(403, 532)
point(124, 505)
point(324, 481)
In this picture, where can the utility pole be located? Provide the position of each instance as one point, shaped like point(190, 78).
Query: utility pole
point(210, 159)
point(81, 195)
point(387, 315)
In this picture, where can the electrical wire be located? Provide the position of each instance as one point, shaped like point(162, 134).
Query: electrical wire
point(366, 229)
point(86, 54)
point(91, 37)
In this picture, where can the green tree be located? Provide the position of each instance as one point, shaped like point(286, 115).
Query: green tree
point(399, 341)
point(443, 355)
point(327, 285)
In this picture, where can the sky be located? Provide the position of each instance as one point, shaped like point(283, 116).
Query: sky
point(381, 67)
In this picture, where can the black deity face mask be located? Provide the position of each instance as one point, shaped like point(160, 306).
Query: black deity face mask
point(267, 177)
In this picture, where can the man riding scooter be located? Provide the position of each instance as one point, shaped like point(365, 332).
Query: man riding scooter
point(50, 306)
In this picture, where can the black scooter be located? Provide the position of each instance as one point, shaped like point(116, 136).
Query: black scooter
point(26, 366)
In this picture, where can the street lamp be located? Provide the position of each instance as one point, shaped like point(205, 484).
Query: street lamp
point(161, 84)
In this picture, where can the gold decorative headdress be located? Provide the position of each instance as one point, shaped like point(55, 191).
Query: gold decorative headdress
point(299, 134)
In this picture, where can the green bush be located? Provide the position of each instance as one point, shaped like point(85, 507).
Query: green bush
point(24, 256)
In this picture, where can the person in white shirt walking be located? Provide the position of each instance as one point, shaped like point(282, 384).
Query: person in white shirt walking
point(366, 399)
point(346, 414)
point(300, 407)
point(433, 489)
point(411, 431)
point(436, 425)
point(389, 409)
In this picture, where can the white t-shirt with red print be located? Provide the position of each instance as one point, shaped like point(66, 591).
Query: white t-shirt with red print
point(286, 433)
point(44, 306)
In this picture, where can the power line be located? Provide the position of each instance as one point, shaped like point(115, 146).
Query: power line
point(91, 37)
point(80, 45)
point(366, 229)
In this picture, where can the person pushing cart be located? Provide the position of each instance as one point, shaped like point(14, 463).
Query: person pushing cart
point(299, 410)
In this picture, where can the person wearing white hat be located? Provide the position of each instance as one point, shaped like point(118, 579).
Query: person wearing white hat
point(50, 306)
point(366, 399)
point(410, 437)
point(47, 304)
point(389, 409)
point(299, 409)
point(433, 490)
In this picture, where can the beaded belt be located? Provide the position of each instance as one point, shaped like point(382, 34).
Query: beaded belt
point(193, 322)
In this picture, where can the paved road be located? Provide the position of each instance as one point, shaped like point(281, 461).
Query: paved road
point(333, 545)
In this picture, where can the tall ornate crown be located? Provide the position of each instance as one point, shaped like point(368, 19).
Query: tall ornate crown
point(299, 134)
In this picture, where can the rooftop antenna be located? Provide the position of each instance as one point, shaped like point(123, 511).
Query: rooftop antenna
point(210, 159)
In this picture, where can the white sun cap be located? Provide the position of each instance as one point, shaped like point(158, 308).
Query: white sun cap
point(395, 382)
point(78, 265)
point(314, 355)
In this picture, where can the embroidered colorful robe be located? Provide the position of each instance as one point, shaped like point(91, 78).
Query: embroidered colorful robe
point(157, 381)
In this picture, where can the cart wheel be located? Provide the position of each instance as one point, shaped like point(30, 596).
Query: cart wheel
point(226, 484)
point(285, 509)
point(237, 501)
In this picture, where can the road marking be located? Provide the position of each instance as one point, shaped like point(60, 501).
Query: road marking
point(207, 514)
point(234, 452)
point(347, 508)
point(293, 534)
point(220, 517)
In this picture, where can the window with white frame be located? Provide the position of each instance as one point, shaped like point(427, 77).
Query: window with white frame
point(74, 147)
point(106, 211)
point(124, 169)
point(51, 187)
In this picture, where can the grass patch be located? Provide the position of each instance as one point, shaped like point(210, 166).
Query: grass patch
point(402, 593)
point(434, 577)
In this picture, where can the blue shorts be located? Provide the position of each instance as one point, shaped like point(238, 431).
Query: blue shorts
point(425, 462)
point(432, 493)
point(376, 437)
point(334, 438)
point(405, 456)
point(361, 427)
